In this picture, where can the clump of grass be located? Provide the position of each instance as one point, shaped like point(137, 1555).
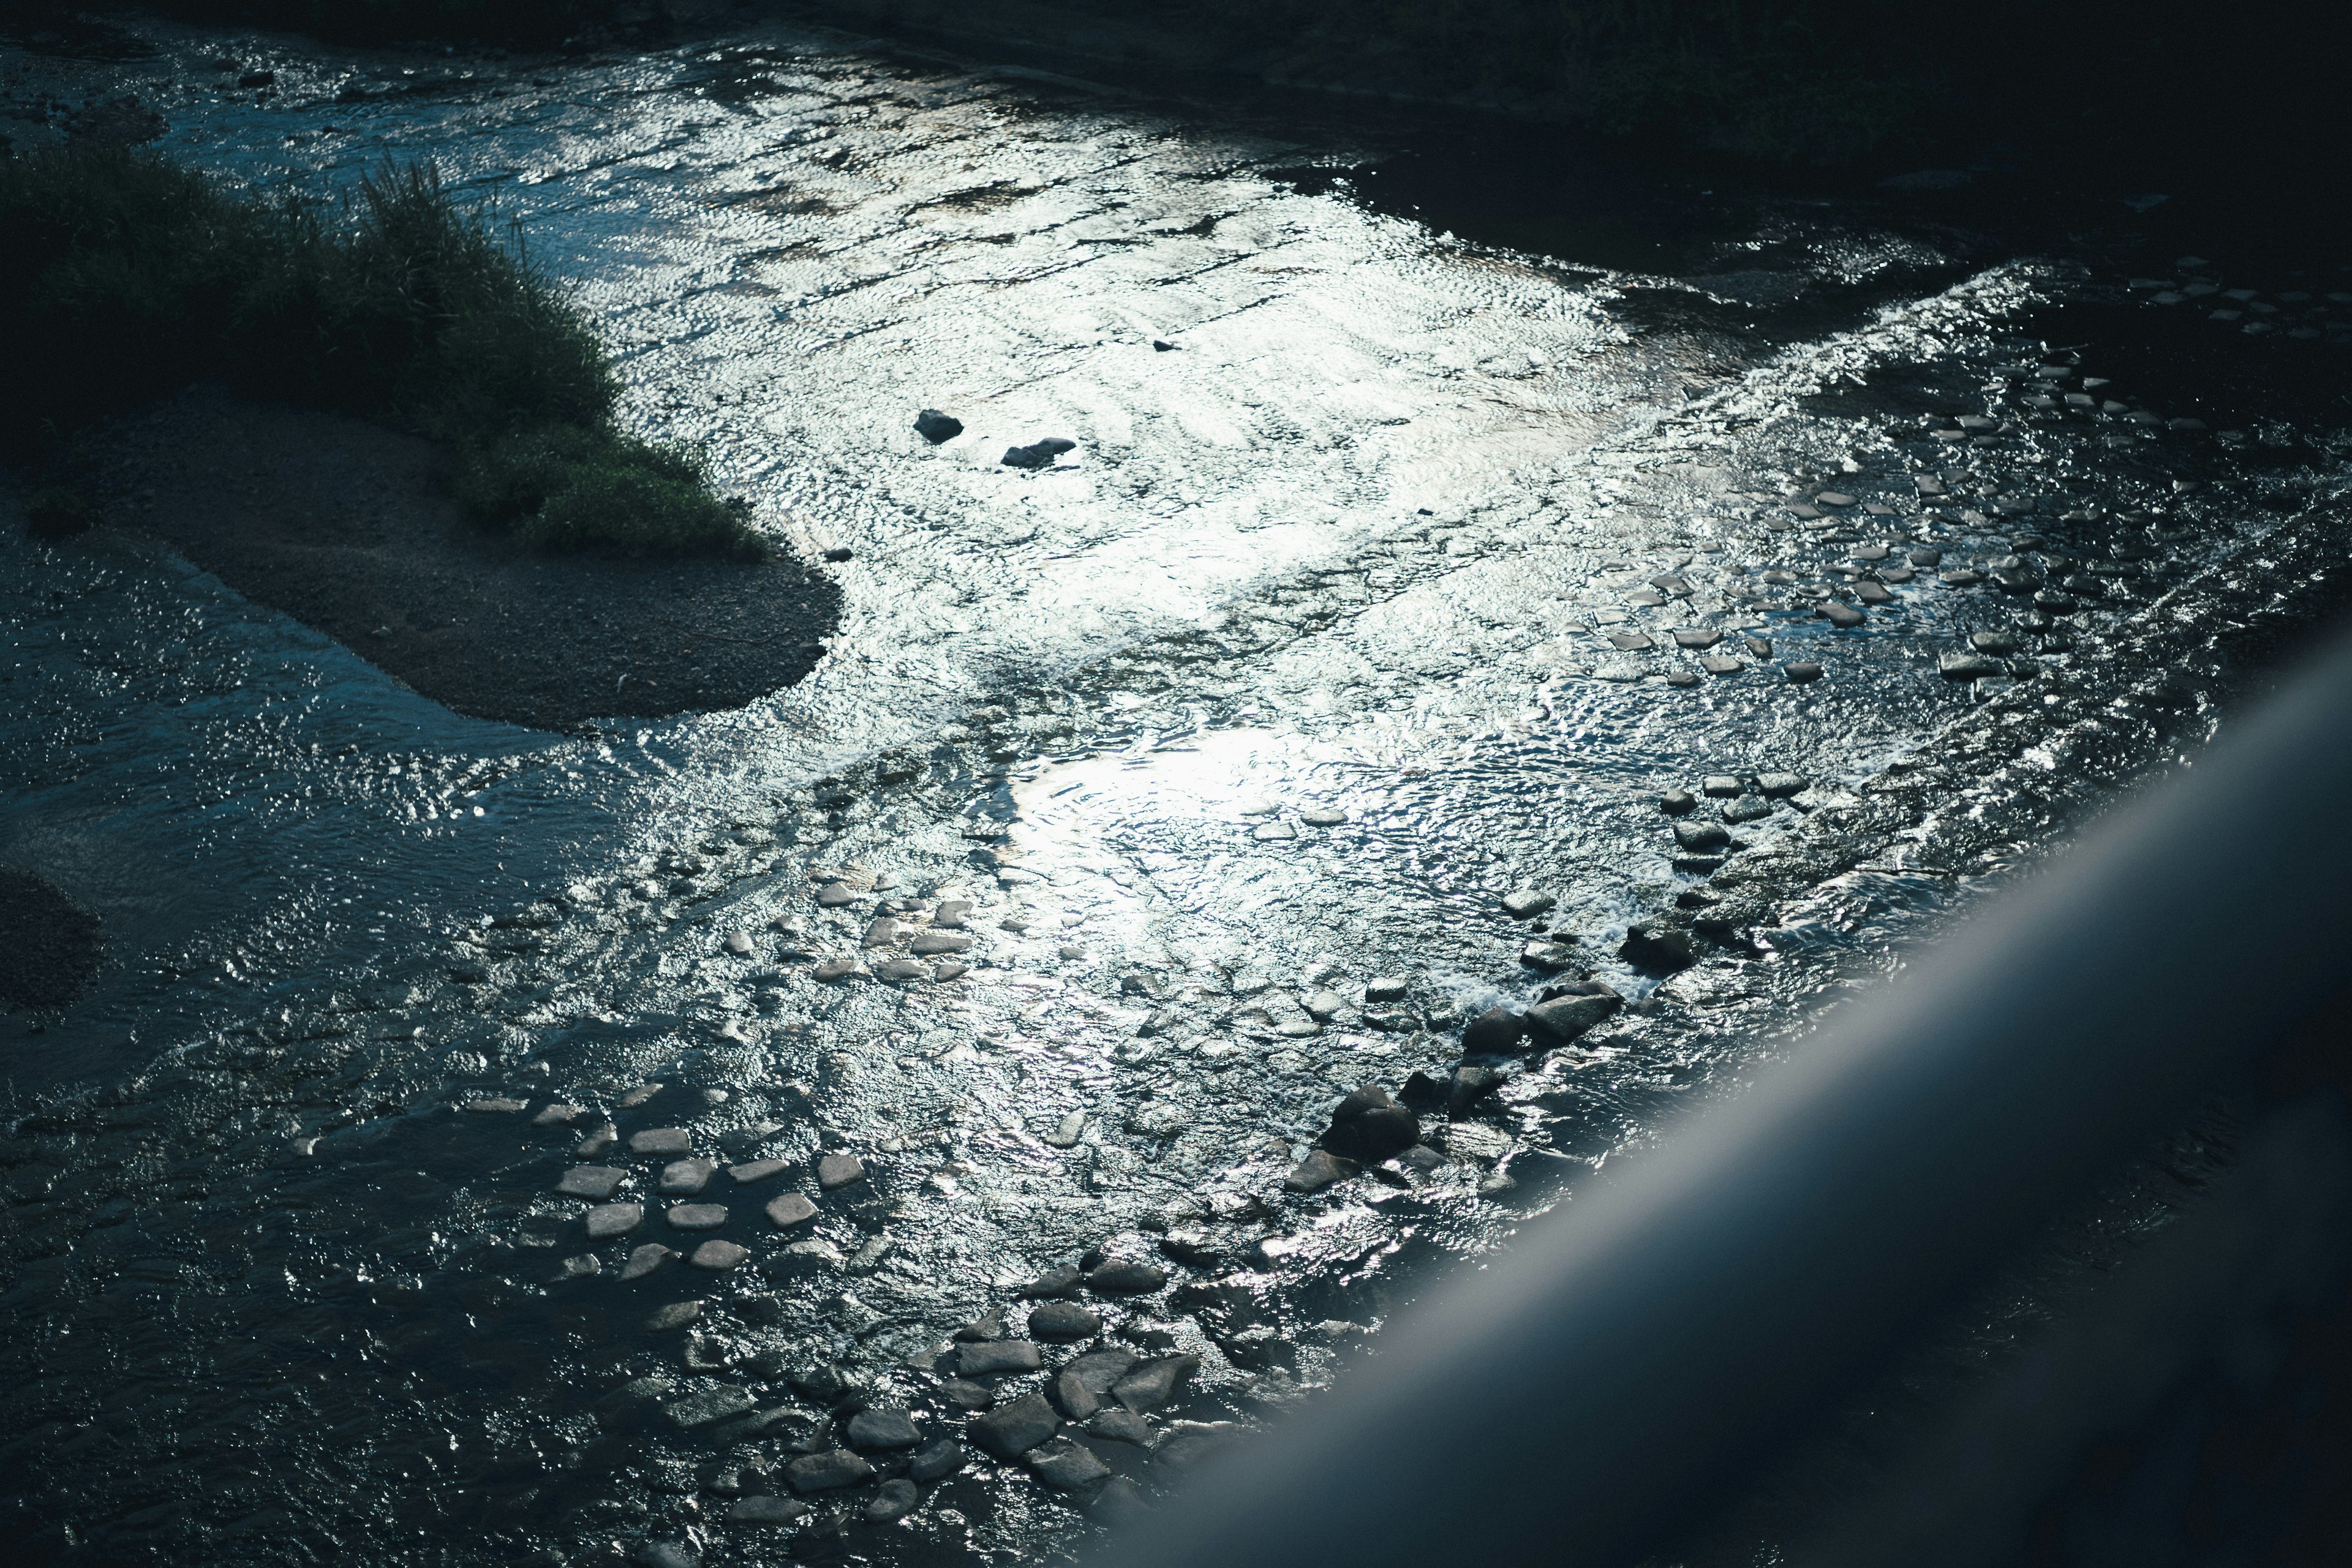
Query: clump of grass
point(123, 276)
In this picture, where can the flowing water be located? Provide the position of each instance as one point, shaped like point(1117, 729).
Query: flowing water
point(1304, 655)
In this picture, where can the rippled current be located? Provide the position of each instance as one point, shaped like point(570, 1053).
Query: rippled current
point(1269, 689)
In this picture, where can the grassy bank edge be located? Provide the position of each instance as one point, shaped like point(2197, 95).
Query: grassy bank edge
point(124, 276)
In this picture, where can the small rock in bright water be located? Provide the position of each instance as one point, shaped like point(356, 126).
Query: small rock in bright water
point(639, 1095)
point(1068, 1466)
point(1748, 809)
point(823, 1472)
point(1275, 832)
point(664, 1555)
point(766, 1510)
point(660, 1140)
point(1317, 1172)
point(838, 1170)
point(597, 1182)
point(935, 427)
point(683, 1178)
point(883, 1430)
point(963, 1394)
point(579, 1268)
point(1065, 1133)
point(673, 1315)
point(498, 1107)
point(608, 1220)
point(1155, 1382)
point(757, 1170)
point(599, 1142)
point(738, 942)
point(1779, 787)
point(1061, 1321)
point(835, 895)
point(1011, 1430)
point(893, 1501)
point(1527, 904)
point(990, 1357)
point(697, 1216)
point(1839, 614)
point(1119, 1502)
point(1678, 803)
point(644, 1260)
point(900, 970)
point(719, 1255)
point(1122, 1426)
point(1801, 671)
point(790, 1209)
point(1061, 1280)
point(558, 1116)
point(705, 1405)
point(1126, 1279)
point(1323, 817)
point(939, 1456)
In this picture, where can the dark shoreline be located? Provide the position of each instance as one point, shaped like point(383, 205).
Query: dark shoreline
point(347, 527)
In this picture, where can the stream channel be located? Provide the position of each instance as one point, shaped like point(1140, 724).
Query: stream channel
point(1439, 496)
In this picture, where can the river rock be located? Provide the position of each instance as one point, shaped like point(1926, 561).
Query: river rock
point(883, 1430)
point(828, 1471)
point(1121, 1425)
point(1527, 904)
point(705, 1405)
point(1066, 1466)
point(1037, 454)
point(1678, 803)
point(893, 1501)
point(1012, 1430)
point(664, 1555)
point(601, 1139)
point(1126, 1279)
point(682, 1178)
point(596, 1182)
point(1074, 1398)
point(1801, 671)
point(939, 1456)
point(1697, 637)
point(608, 1220)
point(1699, 837)
point(1154, 1383)
point(1563, 1019)
point(1317, 1172)
point(1550, 957)
point(1368, 1126)
point(931, 944)
point(644, 1260)
point(1064, 1280)
point(1061, 1321)
point(766, 1510)
point(990, 1357)
point(660, 1140)
point(1120, 1504)
point(788, 1209)
point(1779, 787)
point(1495, 1032)
point(697, 1216)
point(1658, 948)
point(837, 1169)
point(757, 1170)
point(1968, 666)
point(1748, 809)
point(719, 1255)
point(935, 427)
point(1838, 615)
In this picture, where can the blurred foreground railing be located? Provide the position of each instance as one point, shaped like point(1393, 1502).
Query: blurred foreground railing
point(1637, 1355)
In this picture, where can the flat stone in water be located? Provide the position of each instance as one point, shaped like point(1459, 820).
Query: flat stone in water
point(893, 1501)
point(1630, 642)
point(790, 1209)
point(719, 1255)
point(1120, 1504)
point(939, 1456)
point(831, 969)
point(682, 1178)
point(1779, 787)
point(1748, 809)
point(825, 1472)
point(1697, 637)
point(664, 1555)
point(1068, 1466)
point(1564, 1018)
point(837, 1169)
point(1075, 1399)
point(1274, 833)
point(932, 944)
point(1061, 1321)
point(1701, 837)
point(673, 1315)
point(1014, 1430)
point(1067, 1132)
point(766, 1510)
point(558, 1116)
point(660, 1140)
point(1061, 1280)
point(598, 1141)
point(1677, 803)
point(1968, 666)
point(1323, 817)
point(1839, 614)
point(990, 1357)
point(596, 1182)
point(1154, 1383)
point(901, 970)
point(1527, 904)
point(697, 1216)
point(644, 1260)
point(498, 1107)
point(1122, 1426)
point(882, 933)
point(609, 1220)
point(1317, 1172)
point(835, 895)
point(1550, 957)
point(963, 1394)
point(705, 1405)
point(581, 1268)
point(1801, 671)
point(1720, 787)
point(883, 1430)
point(1126, 1279)
point(757, 1170)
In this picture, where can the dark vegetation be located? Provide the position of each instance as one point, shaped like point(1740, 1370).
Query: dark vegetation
point(124, 276)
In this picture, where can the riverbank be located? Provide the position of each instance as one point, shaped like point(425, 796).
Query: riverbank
point(351, 528)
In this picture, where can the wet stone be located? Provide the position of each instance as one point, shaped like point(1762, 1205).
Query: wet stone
point(1386, 988)
point(1068, 1466)
point(935, 427)
point(697, 1216)
point(2000, 644)
point(883, 1430)
point(1323, 817)
point(963, 1394)
point(1061, 1321)
point(1682, 678)
point(990, 1357)
point(1702, 837)
point(1264, 833)
point(584, 1266)
point(1368, 1126)
point(1678, 803)
point(1012, 1430)
point(558, 1116)
point(1697, 638)
point(660, 1140)
point(1802, 671)
point(1564, 1018)
point(1779, 787)
point(835, 895)
point(682, 1178)
point(1748, 809)
point(1550, 957)
point(1066, 1131)
point(790, 1209)
point(1630, 642)
point(757, 1170)
point(738, 942)
point(1968, 666)
point(644, 1260)
point(1154, 1383)
point(664, 1555)
point(939, 1456)
point(837, 1171)
point(598, 1141)
point(1658, 949)
point(882, 933)
point(1527, 904)
point(1839, 614)
point(1495, 1032)
point(498, 1107)
point(596, 1182)
point(1063, 1281)
point(828, 1471)
point(1119, 1502)
point(1075, 1399)
point(1715, 664)
point(931, 944)
point(705, 1405)
point(753, 1511)
point(1720, 787)
point(1317, 1172)
point(1126, 1279)
point(893, 1501)
point(719, 1255)
point(609, 1220)
point(675, 1315)
point(1121, 1426)
point(900, 970)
